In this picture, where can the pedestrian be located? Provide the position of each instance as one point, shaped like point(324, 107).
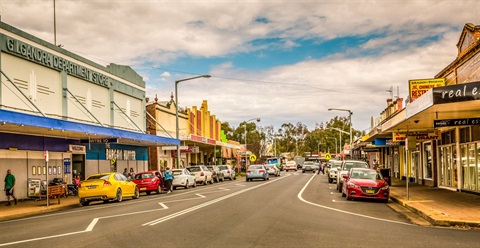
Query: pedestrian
point(168, 179)
point(125, 172)
point(9, 187)
point(131, 174)
point(375, 164)
point(323, 168)
point(319, 168)
point(76, 180)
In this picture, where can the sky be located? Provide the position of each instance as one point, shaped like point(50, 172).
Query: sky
point(280, 61)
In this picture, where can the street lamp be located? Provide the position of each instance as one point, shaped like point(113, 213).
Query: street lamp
point(177, 129)
point(258, 120)
point(350, 120)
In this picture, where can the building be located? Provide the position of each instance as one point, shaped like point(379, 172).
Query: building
point(435, 139)
point(62, 114)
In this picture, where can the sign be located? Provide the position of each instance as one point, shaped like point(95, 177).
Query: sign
point(457, 93)
point(76, 149)
point(173, 148)
point(456, 122)
point(418, 87)
point(327, 156)
point(419, 136)
point(99, 140)
point(45, 156)
point(66, 165)
point(253, 158)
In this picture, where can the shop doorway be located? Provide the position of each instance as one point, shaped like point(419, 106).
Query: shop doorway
point(78, 165)
point(448, 168)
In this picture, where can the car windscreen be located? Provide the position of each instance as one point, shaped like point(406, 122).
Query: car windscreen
point(102, 176)
point(337, 164)
point(349, 165)
point(256, 167)
point(223, 167)
point(371, 175)
point(194, 169)
point(308, 163)
point(269, 166)
point(177, 172)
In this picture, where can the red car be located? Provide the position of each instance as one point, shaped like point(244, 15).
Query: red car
point(366, 184)
point(149, 181)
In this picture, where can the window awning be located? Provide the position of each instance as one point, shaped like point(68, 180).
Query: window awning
point(22, 123)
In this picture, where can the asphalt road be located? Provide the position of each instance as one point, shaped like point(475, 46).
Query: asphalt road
point(294, 210)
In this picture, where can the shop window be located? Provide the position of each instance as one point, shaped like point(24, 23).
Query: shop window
point(427, 154)
point(464, 135)
point(448, 137)
point(34, 170)
point(476, 133)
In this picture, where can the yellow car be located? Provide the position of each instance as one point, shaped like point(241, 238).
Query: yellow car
point(105, 187)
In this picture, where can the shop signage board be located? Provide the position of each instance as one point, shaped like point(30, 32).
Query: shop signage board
point(456, 122)
point(418, 87)
point(457, 93)
point(419, 136)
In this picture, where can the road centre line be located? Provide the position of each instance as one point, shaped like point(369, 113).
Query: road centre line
point(342, 211)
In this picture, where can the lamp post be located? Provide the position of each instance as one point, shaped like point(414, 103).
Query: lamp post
point(258, 120)
point(350, 120)
point(177, 129)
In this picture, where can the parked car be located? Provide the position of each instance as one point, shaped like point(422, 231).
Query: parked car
point(256, 171)
point(332, 172)
point(105, 187)
point(202, 174)
point(149, 181)
point(345, 168)
point(272, 170)
point(228, 172)
point(291, 165)
point(308, 166)
point(365, 183)
point(217, 174)
point(183, 178)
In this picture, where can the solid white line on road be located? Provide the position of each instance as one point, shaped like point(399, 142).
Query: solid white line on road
point(224, 189)
point(42, 238)
point(342, 211)
point(185, 211)
point(92, 225)
point(243, 185)
point(201, 195)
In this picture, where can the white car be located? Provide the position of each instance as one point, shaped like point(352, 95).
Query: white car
point(183, 178)
point(332, 172)
point(345, 168)
point(272, 170)
point(228, 172)
point(202, 174)
point(291, 165)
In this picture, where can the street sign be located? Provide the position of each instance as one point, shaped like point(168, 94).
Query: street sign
point(253, 157)
point(327, 156)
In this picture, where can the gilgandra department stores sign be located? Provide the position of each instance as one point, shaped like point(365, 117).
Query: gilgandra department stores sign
point(420, 136)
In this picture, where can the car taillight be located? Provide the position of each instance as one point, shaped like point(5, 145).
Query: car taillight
point(248, 171)
point(79, 185)
point(106, 183)
point(262, 171)
point(201, 174)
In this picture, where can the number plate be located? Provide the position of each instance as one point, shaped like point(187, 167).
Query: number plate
point(91, 186)
point(143, 188)
point(370, 191)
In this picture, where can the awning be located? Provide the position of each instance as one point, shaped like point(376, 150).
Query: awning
point(21, 123)
point(451, 102)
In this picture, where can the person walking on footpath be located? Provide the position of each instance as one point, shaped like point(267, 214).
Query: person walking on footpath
point(168, 179)
point(9, 187)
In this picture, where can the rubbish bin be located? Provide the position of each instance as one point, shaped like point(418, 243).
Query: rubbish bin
point(386, 173)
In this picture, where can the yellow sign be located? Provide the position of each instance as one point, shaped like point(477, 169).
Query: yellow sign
point(419, 136)
point(253, 157)
point(419, 87)
point(327, 156)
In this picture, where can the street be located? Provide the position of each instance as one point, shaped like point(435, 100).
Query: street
point(293, 210)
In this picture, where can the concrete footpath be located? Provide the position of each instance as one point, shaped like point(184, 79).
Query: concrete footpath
point(440, 207)
point(435, 206)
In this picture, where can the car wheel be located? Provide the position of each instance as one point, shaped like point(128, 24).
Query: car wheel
point(136, 195)
point(194, 184)
point(84, 203)
point(159, 189)
point(119, 196)
point(186, 185)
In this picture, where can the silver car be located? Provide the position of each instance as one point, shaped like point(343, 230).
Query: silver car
point(272, 170)
point(257, 171)
point(308, 166)
point(228, 172)
point(332, 172)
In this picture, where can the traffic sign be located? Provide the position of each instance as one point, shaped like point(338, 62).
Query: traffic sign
point(327, 156)
point(253, 157)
